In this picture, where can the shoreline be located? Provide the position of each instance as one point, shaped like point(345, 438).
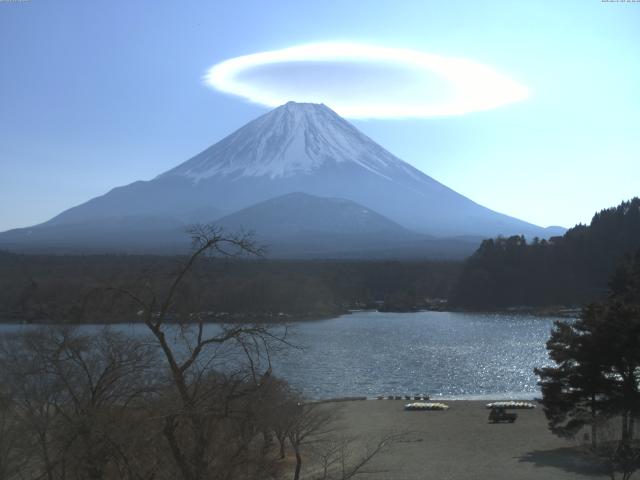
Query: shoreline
point(493, 397)
point(282, 318)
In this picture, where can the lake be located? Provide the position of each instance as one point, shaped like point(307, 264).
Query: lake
point(444, 354)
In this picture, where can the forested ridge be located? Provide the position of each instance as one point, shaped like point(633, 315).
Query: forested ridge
point(570, 270)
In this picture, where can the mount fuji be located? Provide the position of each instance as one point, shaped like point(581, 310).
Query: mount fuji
point(364, 193)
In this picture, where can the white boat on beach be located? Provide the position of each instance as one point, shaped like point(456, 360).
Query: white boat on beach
point(426, 406)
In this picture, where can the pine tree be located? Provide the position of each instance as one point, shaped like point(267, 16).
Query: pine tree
point(596, 378)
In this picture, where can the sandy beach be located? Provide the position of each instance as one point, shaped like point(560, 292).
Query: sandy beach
point(459, 443)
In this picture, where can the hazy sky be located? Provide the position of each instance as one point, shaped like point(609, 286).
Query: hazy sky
point(99, 94)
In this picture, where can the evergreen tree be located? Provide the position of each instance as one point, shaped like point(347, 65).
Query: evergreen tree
point(597, 374)
point(571, 390)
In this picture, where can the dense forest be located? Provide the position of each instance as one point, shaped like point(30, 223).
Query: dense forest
point(50, 288)
point(569, 270)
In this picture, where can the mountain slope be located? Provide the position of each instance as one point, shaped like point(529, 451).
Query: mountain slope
point(298, 225)
point(295, 148)
point(295, 225)
point(120, 234)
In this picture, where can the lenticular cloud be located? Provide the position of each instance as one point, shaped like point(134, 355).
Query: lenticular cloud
point(366, 81)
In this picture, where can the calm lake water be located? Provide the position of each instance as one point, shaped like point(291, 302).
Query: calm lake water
point(445, 354)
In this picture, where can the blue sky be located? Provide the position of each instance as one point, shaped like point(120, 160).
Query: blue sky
point(99, 94)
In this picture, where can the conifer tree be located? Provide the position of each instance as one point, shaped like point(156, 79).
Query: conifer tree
point(596, 377)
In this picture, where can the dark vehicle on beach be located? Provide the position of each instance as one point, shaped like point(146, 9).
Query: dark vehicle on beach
point(499, 414)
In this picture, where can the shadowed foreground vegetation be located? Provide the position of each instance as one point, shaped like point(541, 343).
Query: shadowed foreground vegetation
point(181, 402)
point(107, 406)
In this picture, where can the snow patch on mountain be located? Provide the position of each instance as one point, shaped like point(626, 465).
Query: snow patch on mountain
point(296, 138)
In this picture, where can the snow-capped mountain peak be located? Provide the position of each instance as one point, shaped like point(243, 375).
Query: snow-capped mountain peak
point(297, 148)
point(295, 138)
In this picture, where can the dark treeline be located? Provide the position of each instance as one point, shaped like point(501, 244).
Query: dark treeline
point(569, 270)
point(49, 288)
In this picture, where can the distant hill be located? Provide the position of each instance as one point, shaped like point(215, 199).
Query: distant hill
point(298, 213)
point(298, 225)
point(565, 270)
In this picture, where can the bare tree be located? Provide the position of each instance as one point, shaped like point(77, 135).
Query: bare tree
point(212, 369)
point(309, 423)
point(75, 398)
point(280, 407)
point(12, 459)
point(314, 428)
point(34, 396)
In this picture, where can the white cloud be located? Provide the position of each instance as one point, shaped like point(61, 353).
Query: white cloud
point(366, 81)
